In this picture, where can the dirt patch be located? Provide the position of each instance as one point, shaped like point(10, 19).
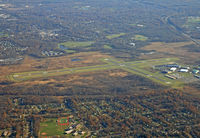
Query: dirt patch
point(44, 134)
point(118, 74)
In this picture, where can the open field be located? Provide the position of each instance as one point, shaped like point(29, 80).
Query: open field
point(140, 38)
point(165, 47)
point(72, 44)
point(70, 51)
point(3, 35)
point(115, 35)
point(135, 67)
point(107, 47)
point(192, 20)
point(174, 49)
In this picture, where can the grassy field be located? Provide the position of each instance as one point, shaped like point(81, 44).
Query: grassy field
point(191, 22)
point(115, 35)
point(49, 128)
point(107, 47)
point(3, 35)
point(141, 68)
point(72, 44)
point(176, 49)
point(140, 38)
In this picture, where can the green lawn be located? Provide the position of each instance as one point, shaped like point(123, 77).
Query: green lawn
point(140, 38)
point(115, 35)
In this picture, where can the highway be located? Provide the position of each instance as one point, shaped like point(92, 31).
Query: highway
point(179, 30)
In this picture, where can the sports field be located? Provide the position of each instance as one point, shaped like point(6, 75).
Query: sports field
point(50, 127)
point(140, 67)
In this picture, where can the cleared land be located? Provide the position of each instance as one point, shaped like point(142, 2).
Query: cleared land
point(135, 67)
point(115, 35)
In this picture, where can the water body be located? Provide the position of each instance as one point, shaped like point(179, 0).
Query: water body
point(75, 59)
point(63, 47)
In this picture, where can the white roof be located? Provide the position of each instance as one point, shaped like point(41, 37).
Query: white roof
point(184, 70)
point(173, 69)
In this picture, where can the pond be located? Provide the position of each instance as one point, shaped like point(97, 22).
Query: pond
point(75, 59)
point(63, 47)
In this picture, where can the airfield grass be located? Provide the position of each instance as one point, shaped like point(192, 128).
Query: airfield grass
point(40, 74)
point(115, 35)
point(73, 44)
point(49, 128)
point(153, 76)
point(140, 38)
point(70, 51)
point(149, 77)
point(135, 67)
point(140, 67)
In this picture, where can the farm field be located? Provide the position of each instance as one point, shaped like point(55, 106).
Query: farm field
point(135, 67)
point(107, 47)
point(115, 35)
point(140, 38)
point(72, 44)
